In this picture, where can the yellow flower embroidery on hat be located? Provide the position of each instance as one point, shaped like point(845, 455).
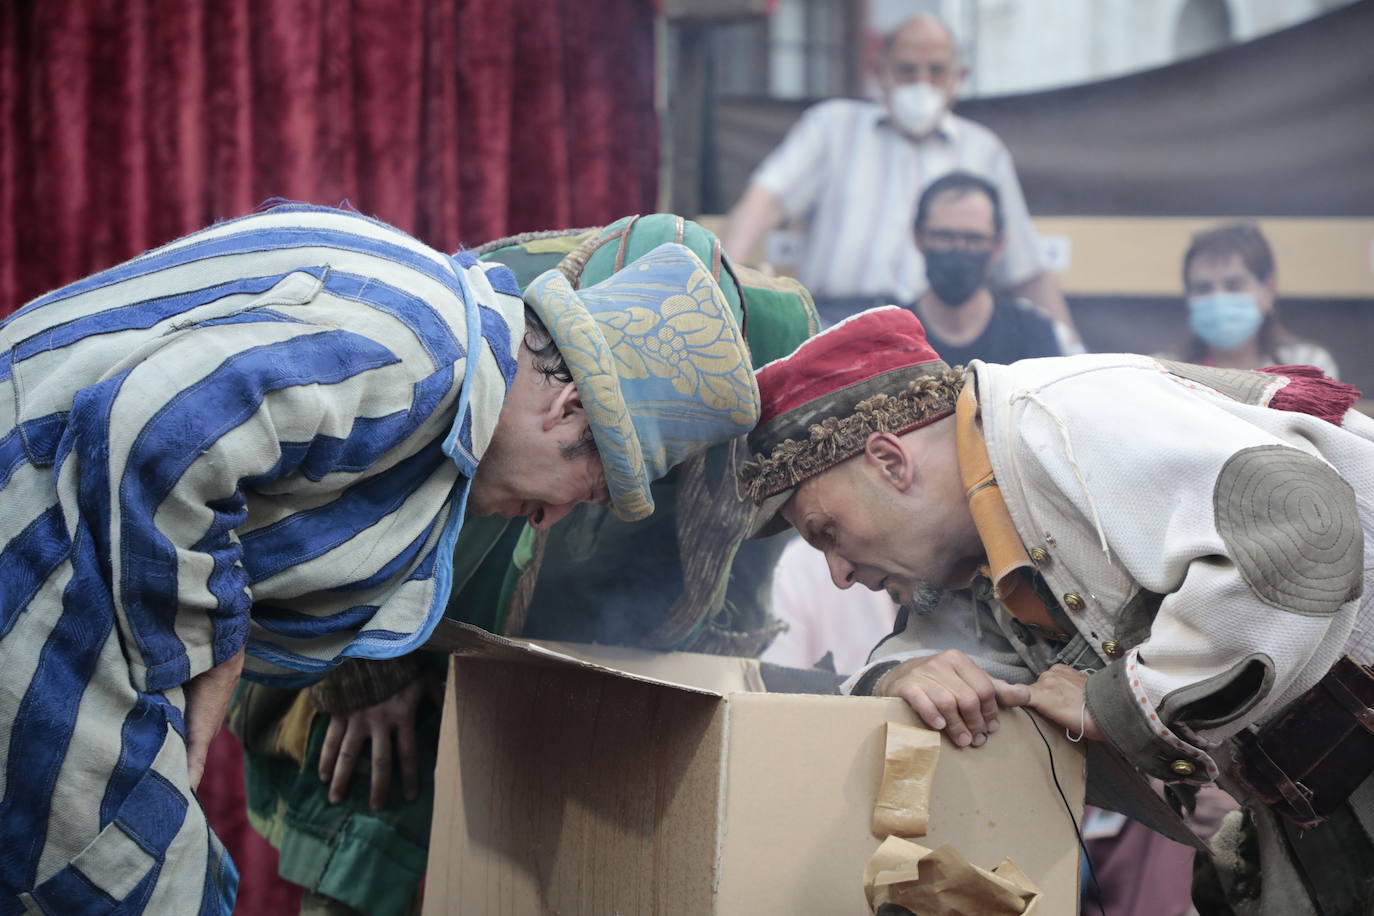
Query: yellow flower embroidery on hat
point(689, 344)
point(660, 365)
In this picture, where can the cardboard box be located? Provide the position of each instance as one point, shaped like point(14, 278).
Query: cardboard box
point(599, 781)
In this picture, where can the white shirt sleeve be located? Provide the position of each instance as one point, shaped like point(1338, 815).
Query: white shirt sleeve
point(795, 171)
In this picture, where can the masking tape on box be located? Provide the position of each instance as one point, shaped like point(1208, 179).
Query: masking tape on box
point(903, 805)
point(941, 882)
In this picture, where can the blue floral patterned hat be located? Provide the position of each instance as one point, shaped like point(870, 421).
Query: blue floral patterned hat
point(659, 362)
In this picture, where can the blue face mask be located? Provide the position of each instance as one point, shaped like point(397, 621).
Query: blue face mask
point(1224, 321)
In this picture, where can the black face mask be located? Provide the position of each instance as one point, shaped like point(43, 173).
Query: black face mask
point(955, 275)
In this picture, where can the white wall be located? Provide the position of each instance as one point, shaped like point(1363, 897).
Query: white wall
point(1025, 45)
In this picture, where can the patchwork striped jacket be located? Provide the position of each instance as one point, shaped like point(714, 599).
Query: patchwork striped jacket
point(261, 433)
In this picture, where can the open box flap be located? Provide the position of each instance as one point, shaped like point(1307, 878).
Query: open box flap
point(712, 675)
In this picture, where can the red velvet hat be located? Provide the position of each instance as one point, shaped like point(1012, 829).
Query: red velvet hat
point(872, 373)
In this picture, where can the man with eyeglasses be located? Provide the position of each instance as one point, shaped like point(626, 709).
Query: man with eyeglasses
point(959, 232)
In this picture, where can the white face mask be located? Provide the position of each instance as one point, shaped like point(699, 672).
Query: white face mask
point(916, 107)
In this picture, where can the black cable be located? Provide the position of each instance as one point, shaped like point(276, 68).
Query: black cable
point(1092, 872)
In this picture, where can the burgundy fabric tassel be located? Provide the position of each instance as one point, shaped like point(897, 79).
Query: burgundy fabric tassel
point(1309, 391)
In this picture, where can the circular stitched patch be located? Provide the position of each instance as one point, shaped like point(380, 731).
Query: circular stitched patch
point(1290, 525)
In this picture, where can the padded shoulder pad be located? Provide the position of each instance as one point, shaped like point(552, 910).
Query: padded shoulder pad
point(1290, 525)
point(1244, 385)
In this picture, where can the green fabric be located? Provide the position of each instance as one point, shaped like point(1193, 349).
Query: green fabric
point(781, 315)
point(371, 861)
point(630, 238)
point(524, 549)
point(528, 257)
point(479, 568)
point(483, 599)
point(319, 905)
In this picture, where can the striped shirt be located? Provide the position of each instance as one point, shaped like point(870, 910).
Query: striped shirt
point(276, 415)
point(858, 179)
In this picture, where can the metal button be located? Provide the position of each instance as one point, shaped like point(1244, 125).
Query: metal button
point(1112, 649)
point(1073, 601)
point(1039, 556)
point(1183, 767)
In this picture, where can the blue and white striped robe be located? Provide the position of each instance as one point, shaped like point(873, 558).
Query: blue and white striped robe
point(262, 432)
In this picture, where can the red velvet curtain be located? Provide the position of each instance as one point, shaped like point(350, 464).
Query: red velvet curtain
point(127, 123)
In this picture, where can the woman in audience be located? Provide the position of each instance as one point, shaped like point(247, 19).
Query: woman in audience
point(1228, 277)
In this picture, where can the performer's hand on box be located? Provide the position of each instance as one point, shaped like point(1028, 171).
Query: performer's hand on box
point(1058, 695)
point(952, 694)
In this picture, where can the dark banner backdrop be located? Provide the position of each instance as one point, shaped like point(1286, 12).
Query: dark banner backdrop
point(1279, 126)
point(127, 123)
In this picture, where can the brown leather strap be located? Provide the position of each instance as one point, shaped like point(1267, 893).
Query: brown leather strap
point(624, 242)
point(1293, 793)
point(518, 609)
point(710, 525)
point(1006, 555)
point(1353, 704)
point(720, 262)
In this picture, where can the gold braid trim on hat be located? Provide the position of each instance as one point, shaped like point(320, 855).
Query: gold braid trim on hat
point(575, 261)
point(835, 439)
point(524, 238)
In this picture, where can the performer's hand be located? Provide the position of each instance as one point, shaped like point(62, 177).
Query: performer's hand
point(207, 698)
point(1058, 696)
point(390, 722)
point(952, 694)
